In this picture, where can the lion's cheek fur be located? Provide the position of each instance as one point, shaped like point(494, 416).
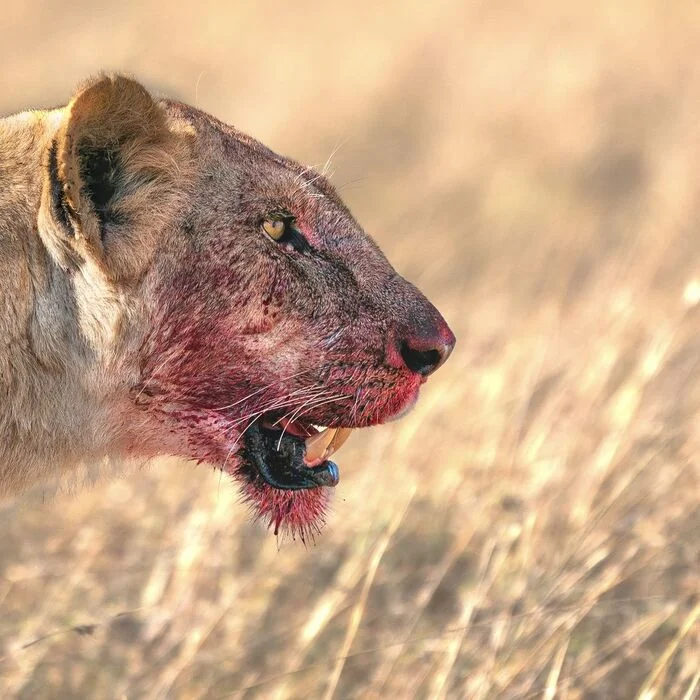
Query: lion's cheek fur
point(208, 437)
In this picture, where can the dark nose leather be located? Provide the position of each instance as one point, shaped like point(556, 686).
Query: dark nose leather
point(420, 340)
point(427, 347)
point(425, 354)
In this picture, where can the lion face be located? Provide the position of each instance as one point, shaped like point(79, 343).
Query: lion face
point(269, 325)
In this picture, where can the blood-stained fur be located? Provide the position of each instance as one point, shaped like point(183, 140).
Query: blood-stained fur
point(147, 310)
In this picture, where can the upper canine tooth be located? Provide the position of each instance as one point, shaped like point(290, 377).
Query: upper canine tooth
point(341, 435)
point(316, 445)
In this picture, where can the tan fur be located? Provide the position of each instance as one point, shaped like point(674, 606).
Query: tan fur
point(64, 346)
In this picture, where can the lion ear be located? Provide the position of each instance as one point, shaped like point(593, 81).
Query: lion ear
point(111, 158)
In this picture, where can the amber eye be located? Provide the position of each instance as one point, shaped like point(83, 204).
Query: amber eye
point(275, 228)
point(281, 227)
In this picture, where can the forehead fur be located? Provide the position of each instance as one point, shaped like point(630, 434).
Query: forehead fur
point(224, 143)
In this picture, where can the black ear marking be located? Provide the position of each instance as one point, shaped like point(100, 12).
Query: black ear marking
point(59, 203)
point(100, 172)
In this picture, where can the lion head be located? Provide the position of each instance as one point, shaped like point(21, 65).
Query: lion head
point(236, 312)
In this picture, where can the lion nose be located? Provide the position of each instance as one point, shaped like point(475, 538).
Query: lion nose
point(422, 344)
point(419, 338)
point(424, 354)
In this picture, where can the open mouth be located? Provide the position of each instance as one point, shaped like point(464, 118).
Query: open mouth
point(286, 467)
point(294, 455)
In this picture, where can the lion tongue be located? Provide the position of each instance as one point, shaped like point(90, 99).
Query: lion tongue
point(321, 446)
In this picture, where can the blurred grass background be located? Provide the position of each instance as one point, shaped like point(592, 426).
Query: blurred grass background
point(532, 529)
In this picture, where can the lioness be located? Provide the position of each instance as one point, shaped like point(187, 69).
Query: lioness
point(171, 286)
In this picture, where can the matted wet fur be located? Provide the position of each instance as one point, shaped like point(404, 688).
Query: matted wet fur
point(171, 286)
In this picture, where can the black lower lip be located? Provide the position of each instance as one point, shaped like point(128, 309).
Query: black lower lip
point(279, 461)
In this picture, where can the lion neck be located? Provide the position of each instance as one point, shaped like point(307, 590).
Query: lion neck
point(47, 415)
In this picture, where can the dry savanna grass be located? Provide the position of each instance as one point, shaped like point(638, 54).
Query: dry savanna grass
point(532, 529)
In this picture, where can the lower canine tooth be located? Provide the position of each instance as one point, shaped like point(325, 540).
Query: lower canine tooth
point(317, 445)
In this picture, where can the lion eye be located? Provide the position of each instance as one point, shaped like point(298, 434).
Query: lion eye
point(275, 228)
point(280, 227)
